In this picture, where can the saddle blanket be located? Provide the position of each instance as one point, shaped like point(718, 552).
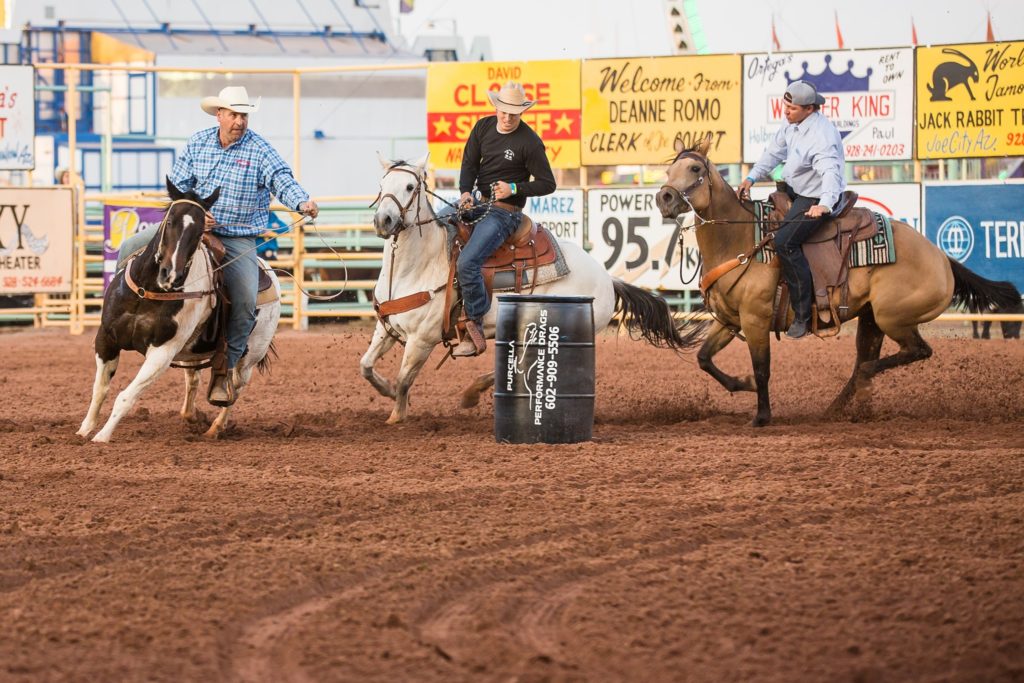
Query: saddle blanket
point(876, 251)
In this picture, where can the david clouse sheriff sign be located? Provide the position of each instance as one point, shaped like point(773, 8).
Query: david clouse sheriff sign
point(634, 110)
point(17, 118)
point(457, 99)
point(36, 234)
point(869, 96)
point(970, 100)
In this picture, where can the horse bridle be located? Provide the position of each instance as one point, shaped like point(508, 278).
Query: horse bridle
point(413, 198)
point(684, 194)
point(173, 295)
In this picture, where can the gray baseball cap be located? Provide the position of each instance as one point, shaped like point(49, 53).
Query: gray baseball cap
point(803, 94)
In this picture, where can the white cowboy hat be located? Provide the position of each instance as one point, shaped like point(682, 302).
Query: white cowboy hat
point(511, 99)
point(234, 98)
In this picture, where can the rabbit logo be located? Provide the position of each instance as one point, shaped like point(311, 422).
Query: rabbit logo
point(950, 74)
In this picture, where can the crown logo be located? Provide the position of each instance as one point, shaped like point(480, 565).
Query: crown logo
point(829, 81)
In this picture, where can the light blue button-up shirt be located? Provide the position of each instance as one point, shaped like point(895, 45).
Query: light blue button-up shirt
point(246, 171)
point(814, 161)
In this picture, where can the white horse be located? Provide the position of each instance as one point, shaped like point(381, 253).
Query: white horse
point(163, 315)
point(416, 260)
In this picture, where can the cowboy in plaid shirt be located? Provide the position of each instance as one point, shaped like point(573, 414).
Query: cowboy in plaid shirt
point(247, 169)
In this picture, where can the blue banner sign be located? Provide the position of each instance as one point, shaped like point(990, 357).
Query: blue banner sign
point(981, 225)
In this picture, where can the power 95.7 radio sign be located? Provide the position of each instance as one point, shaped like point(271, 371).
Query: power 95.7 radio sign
point(634, 243)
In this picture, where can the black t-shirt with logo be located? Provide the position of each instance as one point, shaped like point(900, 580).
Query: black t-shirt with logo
point(491, 156)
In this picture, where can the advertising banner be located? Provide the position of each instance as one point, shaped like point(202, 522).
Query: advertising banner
point(901, 201)
point(457, 99)
point(634, 110)
point(17, 118)
point(561, 212)
point(980, 225)
point(869, 96)
point(37, 228)
point(121, 221)
point(969, 100)
point(634, 243)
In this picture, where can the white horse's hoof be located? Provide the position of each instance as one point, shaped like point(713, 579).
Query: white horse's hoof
point(83, 431)
point(101, 438)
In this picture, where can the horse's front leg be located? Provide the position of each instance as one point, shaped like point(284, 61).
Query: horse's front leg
point(471, 394)
point(379, 345)
point(104, 373)
point(188, 408)
point(718, 338)
point(759, 343)
point(158, 359)
point(416, 354)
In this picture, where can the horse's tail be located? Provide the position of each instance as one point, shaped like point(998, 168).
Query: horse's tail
point(649, 315)
point(264, 363)
point(978, 294)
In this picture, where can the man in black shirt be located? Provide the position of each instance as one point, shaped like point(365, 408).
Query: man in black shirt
point(500, 157)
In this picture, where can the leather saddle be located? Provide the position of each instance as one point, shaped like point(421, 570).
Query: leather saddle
point(828, 252)
point(513, 266)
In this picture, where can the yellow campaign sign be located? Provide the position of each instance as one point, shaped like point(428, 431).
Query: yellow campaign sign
point(457, 99)
point(635, 109)
point(970, 100)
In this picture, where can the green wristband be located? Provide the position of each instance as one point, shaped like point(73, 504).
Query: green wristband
point(513, 186)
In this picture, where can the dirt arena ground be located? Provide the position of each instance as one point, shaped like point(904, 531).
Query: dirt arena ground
point(315, 543)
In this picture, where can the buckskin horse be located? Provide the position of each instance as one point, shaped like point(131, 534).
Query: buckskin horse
point(889, 300)
point(159, 305)
point(417, 269)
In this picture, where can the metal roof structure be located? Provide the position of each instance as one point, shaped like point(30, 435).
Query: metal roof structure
point(286, 28)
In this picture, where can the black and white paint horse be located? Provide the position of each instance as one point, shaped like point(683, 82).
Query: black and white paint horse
point(177, 270)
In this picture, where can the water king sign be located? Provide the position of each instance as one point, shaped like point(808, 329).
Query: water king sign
point(869, 96)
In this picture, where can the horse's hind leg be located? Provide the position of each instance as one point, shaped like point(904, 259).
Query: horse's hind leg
point(104, 373)
point(869, 345)
point(379, 345)
point(188, 409)
point(416, 354)
point(471, 394)
point(717, 339)
point(912, 348)
point(158, 359)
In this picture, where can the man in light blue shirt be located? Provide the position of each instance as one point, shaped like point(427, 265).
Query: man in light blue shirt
point(248, 170)
point(811, 151)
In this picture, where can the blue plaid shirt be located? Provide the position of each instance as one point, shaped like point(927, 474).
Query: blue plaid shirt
point(247, 172)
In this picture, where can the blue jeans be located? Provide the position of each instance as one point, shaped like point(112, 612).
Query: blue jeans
point(488, 234)
point(241, 279)
point(789, 239)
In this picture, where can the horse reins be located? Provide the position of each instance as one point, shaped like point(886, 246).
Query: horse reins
point(392, 306)
point(144, 293)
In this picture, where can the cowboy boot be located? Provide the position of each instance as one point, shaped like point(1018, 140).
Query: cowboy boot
point(473, 344)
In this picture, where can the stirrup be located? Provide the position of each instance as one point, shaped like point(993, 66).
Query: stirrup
point(221, 391)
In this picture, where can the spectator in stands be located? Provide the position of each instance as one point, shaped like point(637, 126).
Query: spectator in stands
point(247, 169)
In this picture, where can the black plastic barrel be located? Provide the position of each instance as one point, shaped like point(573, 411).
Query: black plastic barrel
point(544, 369)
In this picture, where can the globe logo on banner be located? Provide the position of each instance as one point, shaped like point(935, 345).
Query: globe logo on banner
point(956, 238)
